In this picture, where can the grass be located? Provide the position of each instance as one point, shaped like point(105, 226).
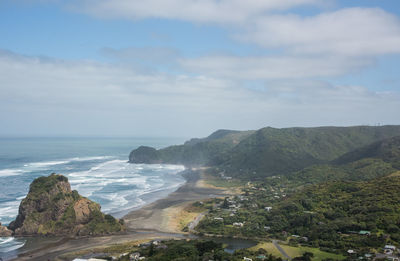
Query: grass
point(271, 249)
point(181, 216)
point(395, 174)
point(214, 181)
point(297, 251)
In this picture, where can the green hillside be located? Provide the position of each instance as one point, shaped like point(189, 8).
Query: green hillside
point(194, 152)
point(329, 213)
point(270, 151)
point(375, 160)
point(334, 216)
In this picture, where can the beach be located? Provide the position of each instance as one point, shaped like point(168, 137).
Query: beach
point(153, 221)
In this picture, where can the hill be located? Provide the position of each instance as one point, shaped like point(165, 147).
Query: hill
point(195, 152)
point(375, 160)
point(329, 213)
point(334, 216)
point(52, 208)
point(268, 151)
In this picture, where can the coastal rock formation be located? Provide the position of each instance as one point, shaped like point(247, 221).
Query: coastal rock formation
point(144, 154)
point(52, 208)
point(4, 231)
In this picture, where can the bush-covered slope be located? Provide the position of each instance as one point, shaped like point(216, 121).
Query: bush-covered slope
point(322, 212)
point(272, 151)
point(375, 160)
point(194, 152)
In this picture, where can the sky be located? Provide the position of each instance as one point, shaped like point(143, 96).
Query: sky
point(185, 68)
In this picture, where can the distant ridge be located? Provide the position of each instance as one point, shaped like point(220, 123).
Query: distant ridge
point(268, 151)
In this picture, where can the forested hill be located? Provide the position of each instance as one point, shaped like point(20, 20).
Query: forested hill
point(268, 151)
point(195, 152)
point(378, 159)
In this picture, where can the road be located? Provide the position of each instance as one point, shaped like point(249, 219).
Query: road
point(275, 242)
point(196, 221)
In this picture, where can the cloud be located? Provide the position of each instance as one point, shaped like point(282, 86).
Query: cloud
point(349, 32)
point(205, 11)
point(274, 67)
point(52, 96)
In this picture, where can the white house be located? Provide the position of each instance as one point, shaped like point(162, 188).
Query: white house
point(390, 247)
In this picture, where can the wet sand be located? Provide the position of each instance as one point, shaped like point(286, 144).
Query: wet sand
point(149, 222)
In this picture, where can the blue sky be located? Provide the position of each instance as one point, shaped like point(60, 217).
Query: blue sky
point(180, 68)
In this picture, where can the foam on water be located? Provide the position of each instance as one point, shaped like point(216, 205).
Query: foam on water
point(10, 172)
point(9, 244)
point(43, 165)
point(108, 179)
point(118, 185)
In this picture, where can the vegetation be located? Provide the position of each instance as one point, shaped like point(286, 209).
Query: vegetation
point(194, 250)
point(194, 152)
point(328, 216)
point(255, 155)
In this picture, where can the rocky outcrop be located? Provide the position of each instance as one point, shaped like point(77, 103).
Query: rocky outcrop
point(52, 208)
point(144, 154)
point(4, 231)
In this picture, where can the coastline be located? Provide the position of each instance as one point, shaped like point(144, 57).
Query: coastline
point(152, 221)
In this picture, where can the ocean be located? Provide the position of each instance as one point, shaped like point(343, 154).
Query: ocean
point(97, 168)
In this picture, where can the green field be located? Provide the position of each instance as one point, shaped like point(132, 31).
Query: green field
point(297, 251)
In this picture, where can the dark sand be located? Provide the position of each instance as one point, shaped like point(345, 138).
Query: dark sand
point(145, 223)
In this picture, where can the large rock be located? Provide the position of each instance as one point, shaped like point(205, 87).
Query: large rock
point(144, 154)
point(52, 208)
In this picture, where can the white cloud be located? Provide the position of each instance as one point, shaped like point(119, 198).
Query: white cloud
point(274, 67)
point(49, 96)
point(204, 11)
point(350, 32)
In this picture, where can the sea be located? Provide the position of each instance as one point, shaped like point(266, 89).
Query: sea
point(97, 168)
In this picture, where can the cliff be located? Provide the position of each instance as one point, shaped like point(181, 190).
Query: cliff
point(52, 208)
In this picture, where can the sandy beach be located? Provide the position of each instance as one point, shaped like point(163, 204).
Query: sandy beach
point(156, 220)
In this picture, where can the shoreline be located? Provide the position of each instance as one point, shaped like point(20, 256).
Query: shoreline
point(151, 221)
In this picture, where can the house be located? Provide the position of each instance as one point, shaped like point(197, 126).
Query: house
point(388, 251)
point(134, 256)
point(368, 255)
point(238, 224)
point(267, 228)
point(247, 259)
point(268, 208)
point(162, 247)
point(390, 247)
point(351, 251)
point(219, 219)
point(364, 232)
